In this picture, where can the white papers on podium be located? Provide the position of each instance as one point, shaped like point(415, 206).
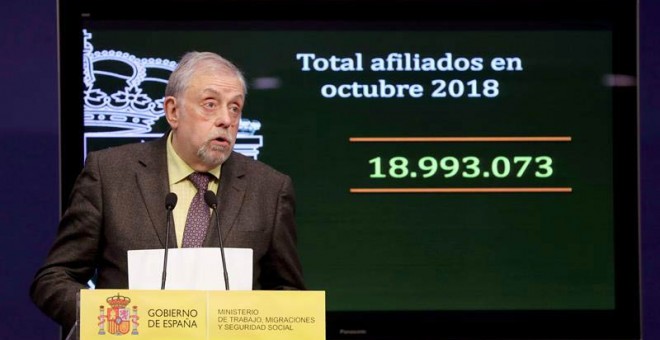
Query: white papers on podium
point(190, 269)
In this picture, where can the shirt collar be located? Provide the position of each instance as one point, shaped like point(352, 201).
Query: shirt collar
point(177, 168)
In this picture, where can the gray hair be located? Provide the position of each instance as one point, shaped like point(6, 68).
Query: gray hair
point(180, 77)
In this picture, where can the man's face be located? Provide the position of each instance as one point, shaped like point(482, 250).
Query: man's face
point(205, 119)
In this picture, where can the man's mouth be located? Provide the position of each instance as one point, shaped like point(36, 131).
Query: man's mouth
point(220, 140)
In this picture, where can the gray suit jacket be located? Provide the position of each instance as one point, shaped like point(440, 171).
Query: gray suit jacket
point(118, 204)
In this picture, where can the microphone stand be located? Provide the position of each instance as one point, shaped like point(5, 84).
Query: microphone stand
point(170, 203)
point(212, 202)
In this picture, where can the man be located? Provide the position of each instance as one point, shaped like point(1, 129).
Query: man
point(118, 201)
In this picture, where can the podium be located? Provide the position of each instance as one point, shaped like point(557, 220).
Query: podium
point(199, 315)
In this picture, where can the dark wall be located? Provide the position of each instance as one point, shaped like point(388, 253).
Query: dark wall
point(650, 165)
point(29, 195)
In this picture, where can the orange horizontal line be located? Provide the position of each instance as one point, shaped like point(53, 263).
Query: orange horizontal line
point(461, 139)
point(455, 190)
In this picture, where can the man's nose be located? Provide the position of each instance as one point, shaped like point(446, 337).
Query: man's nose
point(223, 117)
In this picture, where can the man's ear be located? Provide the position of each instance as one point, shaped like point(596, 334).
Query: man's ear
point(171, 111)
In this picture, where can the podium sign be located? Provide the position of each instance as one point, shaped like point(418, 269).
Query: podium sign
point(197, 315)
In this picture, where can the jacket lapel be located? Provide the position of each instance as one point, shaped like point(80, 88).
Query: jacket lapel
point(153, 183)
point(230, 198)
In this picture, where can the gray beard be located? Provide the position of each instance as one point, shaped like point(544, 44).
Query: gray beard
point(205, 154)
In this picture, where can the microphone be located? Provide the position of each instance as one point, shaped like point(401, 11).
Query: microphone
point(170, 203)
point(211, 201)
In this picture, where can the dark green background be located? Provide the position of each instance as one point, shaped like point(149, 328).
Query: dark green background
point(497, 251)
